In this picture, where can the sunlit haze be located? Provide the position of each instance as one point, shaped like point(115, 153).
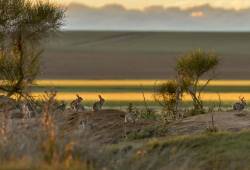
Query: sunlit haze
point(157, 15)
point(140, 4)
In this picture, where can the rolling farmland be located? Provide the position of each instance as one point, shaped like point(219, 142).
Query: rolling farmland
point(120, 65)
point(140, 55)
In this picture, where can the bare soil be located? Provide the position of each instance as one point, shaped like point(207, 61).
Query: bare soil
point(107, 126)
point(223, 121)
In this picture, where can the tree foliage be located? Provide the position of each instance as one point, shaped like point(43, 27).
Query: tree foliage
point(23, 25)
point(191, 68)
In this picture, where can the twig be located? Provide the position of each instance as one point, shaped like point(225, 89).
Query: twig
point(219, 102)
point(144, 98)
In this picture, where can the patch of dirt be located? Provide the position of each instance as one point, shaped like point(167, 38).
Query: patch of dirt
point(106, 126)
point(224, 121)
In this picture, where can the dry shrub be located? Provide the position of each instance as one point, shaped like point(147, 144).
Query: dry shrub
point(168, 95)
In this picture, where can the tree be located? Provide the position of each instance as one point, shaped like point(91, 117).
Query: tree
point(191, 68)
point(23, 25)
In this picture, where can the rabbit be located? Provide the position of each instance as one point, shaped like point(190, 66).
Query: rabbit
point(98, 105)
point(130, 118)
point(75, 105)
point(61, 106)
point(26, 111)
point(239, 106)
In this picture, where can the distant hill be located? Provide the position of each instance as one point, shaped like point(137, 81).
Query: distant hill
point(157, 18)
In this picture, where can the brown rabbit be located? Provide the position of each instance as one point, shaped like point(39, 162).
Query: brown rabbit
point(98, 105)
point(75, 105)
point(239, 106)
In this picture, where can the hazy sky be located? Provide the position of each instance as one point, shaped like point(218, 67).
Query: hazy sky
point(140, 4)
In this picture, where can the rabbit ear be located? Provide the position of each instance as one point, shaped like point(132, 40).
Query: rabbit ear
point(79, 97)
point(100, 97)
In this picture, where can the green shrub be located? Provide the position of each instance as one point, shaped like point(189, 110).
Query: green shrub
point(147, 114)
point(144, 113)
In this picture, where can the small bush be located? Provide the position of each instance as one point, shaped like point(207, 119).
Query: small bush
point(145, 113)
point(168, 95)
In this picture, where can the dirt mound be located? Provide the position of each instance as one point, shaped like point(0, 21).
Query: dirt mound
point(105, 126)
point(224, 121)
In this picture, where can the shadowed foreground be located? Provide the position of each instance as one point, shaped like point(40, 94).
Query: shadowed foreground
point(98, 140)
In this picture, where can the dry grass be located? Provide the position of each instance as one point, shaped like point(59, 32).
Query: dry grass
point(39, 142)
point(216, 151)
point(27, 164)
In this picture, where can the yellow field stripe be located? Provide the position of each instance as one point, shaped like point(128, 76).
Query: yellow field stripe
point(96, 82)
point(89, 96)
point(131, 82)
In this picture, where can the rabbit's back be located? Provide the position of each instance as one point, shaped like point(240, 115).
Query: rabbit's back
point(97, 106)
point(238, 106)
